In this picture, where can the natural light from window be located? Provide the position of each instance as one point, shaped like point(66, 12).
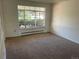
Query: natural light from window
point(31, 17)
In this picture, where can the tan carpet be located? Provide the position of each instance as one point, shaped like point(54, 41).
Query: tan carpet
point(41, 46)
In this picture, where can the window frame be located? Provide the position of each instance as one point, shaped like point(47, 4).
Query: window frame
point(35, 16)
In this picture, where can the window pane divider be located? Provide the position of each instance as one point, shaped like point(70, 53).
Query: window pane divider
point(37, 18)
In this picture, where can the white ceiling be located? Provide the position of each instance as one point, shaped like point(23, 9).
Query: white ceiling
point(46, 1)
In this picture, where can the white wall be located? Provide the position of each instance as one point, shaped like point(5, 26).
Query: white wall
point(11, 17)
point(2, 38)
point(65, 21)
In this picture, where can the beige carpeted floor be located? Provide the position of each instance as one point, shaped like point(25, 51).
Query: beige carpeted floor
point(41, 46)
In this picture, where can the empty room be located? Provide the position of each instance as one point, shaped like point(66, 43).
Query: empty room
point(39, 29)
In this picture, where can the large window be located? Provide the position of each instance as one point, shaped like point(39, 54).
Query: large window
point(31, 17)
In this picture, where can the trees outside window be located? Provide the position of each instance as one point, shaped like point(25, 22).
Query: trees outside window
point(31, 17)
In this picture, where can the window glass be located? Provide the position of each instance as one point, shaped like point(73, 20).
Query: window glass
point(31, 17)
point(32, 8)
point(42, 9)
point(21, 15)
point(42, 15)
point(37, 8)
point(21, 7)
point(27, 7)
point(37, 15)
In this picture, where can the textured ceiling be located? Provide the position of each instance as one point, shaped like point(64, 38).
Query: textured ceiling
point(46, 1)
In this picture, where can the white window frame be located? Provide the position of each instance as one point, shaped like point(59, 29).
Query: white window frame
point(36, 28)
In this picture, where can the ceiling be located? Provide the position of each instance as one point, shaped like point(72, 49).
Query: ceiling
point(46, 1)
